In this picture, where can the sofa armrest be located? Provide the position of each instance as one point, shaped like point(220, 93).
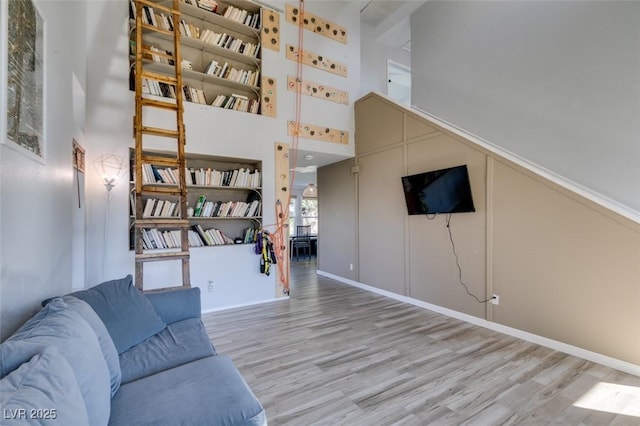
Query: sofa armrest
point(176, 305)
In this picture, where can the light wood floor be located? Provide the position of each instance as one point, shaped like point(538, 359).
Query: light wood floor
point(335, 354)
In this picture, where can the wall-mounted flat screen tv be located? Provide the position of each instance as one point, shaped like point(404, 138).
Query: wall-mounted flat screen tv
point(439, 191)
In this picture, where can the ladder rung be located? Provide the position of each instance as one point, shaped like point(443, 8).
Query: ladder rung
point(161, 223)
point(156, 131)
point(176, 288)
point(161, 161)
point(159, 104)
point(155, 5)
point(159, 257)
point(167, 190)
point(157, 29)
point(160, 77)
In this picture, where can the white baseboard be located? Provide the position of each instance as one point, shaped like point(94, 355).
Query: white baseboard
point(607, 361)
point(244, 305)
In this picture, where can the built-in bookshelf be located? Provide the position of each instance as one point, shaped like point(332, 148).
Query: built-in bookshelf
point(220, 49)
point(224, 197)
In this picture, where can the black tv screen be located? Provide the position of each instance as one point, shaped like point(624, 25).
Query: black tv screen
point(439, 191)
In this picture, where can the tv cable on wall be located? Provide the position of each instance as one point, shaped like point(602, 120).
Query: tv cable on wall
point(455, 254)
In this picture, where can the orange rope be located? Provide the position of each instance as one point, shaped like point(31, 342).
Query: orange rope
point(280, 237)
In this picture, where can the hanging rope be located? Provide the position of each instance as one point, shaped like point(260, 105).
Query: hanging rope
point(280, 237)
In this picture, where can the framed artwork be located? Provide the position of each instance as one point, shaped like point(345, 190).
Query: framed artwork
point(25, 77)
point(77, 156)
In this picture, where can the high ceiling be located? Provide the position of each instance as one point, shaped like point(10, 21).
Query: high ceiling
point(389, 21)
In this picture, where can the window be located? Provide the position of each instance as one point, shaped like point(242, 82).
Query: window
point(292, 216)
point(309, 213)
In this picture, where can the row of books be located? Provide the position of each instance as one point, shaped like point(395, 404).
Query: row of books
point(210, 237)
point(230, 12)
point(209, 5)
point(230, 73)
point(154, 207)
point(241, 178)
point(227, 41)
point(153, 239)
point(237, 103)
point(243, 16)
point(158, 88)
point(250, 235)
point(235, 14)
point(227, 209)
point(160, 20)
point(160, 55)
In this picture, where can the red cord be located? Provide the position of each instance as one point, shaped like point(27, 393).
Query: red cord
point(281, 235)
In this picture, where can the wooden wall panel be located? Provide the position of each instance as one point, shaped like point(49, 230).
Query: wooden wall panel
point(325, 134)
point(270, 34)
point(316, 24)
point(316, 60)
point(283, 193)
point(269, 98)
point(317, 90)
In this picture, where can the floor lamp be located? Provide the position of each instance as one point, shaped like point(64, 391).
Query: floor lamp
point(111, 168)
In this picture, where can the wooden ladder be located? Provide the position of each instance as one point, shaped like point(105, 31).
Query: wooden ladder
point(141, 132)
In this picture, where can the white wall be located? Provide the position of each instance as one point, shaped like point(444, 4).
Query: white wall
point(37, 198)
point(214, 131)
point(374, 55)
point(553, 82)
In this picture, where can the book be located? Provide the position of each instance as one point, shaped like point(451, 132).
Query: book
point(199, 204)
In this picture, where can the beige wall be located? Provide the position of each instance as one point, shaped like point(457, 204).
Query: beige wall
point(337, 248)
point(564, 267)
point(434, 276)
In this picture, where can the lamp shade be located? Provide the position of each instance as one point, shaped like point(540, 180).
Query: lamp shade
point(310, 191)
point(111, 167)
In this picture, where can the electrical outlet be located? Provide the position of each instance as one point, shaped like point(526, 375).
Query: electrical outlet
point(351, 266)
point(495, 299)
point(210, 286)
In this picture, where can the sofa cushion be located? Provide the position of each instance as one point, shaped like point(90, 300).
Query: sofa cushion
point(15, 353)
point(179, 343)
point(207, 391)
point(106, 344)
point(176, 305)
point(42, 390)
point(56, 325)
point(127, 314)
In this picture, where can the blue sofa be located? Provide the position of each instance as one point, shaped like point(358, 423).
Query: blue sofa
point(111, 355)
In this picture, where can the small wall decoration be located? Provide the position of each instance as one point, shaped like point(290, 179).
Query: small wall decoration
point(317, 90)
point(317, 61)
point(78, 156)
point(316, 24)
point(25, 77)
point(311, 131)
point(270, 34)
point(77, 159)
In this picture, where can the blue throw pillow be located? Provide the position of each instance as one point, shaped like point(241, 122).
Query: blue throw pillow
point(109, 351)
point(124, 310)
point(42, 391)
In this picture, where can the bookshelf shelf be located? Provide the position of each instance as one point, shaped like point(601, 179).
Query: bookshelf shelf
point(217, 74)
point(205, 47)
point(216, 19)
point(225, 213)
